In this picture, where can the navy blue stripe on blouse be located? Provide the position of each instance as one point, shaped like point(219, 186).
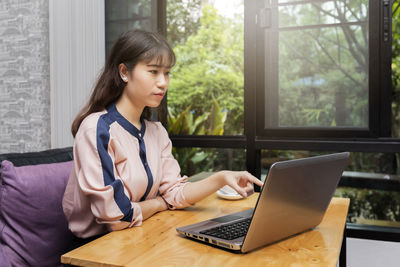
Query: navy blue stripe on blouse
point(139, 134)
point(103, 138)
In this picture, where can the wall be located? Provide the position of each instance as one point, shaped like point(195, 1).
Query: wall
point(51, 52)
point(24, 76)
point(77, 53)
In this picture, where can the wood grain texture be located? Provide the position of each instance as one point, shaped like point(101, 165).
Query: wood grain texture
point(156, 242)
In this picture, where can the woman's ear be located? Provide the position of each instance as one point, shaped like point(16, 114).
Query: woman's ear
point(123, 72)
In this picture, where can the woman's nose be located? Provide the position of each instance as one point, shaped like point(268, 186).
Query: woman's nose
point(162, 81)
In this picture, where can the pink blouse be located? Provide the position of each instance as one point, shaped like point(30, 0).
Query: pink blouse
point(115, 167)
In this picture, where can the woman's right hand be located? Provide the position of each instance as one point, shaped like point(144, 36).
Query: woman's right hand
point(241, 181)
point(162, 204)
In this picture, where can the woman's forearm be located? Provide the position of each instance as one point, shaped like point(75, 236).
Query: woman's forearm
point(152, 206)
point(196, 191)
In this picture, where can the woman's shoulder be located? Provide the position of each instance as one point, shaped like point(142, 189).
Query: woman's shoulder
point(91, 121)
point(156, 127)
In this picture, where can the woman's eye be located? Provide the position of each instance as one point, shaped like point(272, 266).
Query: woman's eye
point(168, 73)
point(153, 71)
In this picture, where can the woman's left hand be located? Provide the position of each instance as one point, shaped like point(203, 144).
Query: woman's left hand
point(241, 181)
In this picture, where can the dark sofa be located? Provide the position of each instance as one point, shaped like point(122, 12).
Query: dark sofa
point(33, 229)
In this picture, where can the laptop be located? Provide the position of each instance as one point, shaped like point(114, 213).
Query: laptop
point(293, 199)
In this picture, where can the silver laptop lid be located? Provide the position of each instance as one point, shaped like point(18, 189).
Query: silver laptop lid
point(294, 198)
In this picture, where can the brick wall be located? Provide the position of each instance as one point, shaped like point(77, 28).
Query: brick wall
point(24, 76)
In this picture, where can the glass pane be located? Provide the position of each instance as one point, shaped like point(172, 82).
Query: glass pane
point(206, 86)
point(114, 29)
point(323, 12)
point(124, 15)
point(127, 9)
point(321, 79)
point(289, 1)
point(194, 160)
point(372, 207)
point(370, 180)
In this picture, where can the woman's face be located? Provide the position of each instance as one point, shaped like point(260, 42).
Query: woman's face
point(146, 84)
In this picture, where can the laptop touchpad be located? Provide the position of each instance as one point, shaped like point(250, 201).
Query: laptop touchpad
point(226, 218)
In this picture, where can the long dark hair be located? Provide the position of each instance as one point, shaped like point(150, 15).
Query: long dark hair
point(131, 47)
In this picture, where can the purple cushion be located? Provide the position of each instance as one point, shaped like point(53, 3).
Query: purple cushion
point(33, 229)
point(3, 261)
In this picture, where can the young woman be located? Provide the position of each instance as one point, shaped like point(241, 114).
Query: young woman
point(124, 171)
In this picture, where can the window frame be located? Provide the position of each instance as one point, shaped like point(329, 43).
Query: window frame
point(253, 141)
point(379, 114)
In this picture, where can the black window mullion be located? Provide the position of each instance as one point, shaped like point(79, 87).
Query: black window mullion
point(159, 16)
point(378, 145)
point(212, 141)
point(374, 73)
point(385, 69)
point(159, 24)
point(253, 76)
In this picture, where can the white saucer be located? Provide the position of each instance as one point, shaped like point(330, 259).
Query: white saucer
point(228, 192)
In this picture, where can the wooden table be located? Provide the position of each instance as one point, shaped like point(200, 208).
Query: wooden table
point(156, 242)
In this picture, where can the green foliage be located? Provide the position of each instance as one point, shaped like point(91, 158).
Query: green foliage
point(185, 124)
point(210, 66)
point(396, 69)
point(183, 20)
point(371, 204)
point(193, 160)
point(396, 76)
point(372, 162)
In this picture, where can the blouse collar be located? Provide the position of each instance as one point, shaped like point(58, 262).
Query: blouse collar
point(112, 110)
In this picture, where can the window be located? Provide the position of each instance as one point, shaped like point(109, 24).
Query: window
point(124, 15)
point(308, 77)
point(207, 81)
point(323, 63)
point(322, 84)
point(206, 93)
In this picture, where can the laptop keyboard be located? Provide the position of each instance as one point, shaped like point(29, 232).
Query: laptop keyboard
point(229, 231)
